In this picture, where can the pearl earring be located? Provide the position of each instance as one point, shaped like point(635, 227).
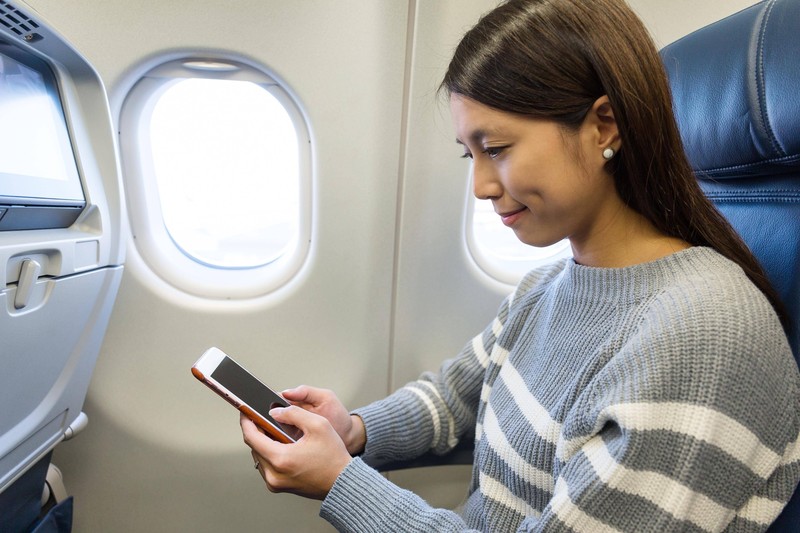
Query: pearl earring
point(608, 153)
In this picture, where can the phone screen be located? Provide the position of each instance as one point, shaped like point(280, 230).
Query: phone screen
point(251, 391)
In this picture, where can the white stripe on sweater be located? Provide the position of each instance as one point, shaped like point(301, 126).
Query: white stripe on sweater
point(763, 510)
point(499, 354)
point(668, 494)
point(566, 511)
point(536, 415)
point(480, 352)
point(497, 327)
point(486, 390)
point(451, 423)
point(499, 493)
point(437, 425)
point(499, 444)
point(696, 421)
point(792, 452)
point(760, 510)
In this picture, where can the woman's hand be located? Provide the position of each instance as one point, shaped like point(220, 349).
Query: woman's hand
point(323, 402)
point(308, 467)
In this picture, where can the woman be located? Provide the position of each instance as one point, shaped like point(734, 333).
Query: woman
point(643, 385)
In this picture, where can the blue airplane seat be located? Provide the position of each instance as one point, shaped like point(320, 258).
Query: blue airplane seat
point(736, 89)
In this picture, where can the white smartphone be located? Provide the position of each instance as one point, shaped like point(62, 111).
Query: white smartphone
point(240, 388)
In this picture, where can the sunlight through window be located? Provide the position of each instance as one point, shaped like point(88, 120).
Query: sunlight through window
point(226, 164)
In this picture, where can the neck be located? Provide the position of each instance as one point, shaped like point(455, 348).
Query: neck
point(623, 237)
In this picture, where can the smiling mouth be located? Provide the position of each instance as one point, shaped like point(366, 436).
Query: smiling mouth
point(511, 216)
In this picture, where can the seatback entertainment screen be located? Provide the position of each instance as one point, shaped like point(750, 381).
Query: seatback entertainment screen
point(40, 185)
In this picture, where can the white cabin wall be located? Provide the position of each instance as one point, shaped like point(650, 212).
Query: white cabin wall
point(389, 289)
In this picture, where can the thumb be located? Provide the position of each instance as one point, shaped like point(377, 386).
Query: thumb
point(298, 417)
point(304, 395)
point(298, 394)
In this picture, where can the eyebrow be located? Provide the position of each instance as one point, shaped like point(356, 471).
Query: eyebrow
point(476, 136)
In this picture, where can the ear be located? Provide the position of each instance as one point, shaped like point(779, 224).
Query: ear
point(602, 126)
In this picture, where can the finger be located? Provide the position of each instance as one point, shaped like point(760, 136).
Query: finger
point(298, 417)
point(256, 457)
point(249, 430)
point(258, 464)
point(246, 424)
point(301, 394)
point(255, 438)
point(305, 394)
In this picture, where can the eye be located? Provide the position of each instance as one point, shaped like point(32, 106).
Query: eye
point(466, 155)
point(494, 151)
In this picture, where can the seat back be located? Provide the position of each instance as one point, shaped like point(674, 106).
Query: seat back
point(736, 90)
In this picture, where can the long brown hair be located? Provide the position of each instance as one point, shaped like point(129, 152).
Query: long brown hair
point(553, 59)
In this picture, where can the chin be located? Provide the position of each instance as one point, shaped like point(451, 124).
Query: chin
point(538, 241)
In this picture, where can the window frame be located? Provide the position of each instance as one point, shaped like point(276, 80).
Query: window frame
point(151, 238)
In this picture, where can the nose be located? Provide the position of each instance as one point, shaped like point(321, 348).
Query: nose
point(485, 185)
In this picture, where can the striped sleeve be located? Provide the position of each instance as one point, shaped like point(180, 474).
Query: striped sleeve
point(363, 501)
point(433, 412)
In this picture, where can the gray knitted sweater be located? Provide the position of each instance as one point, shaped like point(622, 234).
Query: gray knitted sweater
point(657, 397)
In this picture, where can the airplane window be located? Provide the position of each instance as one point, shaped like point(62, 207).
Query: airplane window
point(498, 251)
point(225, 161)
point(217, 173)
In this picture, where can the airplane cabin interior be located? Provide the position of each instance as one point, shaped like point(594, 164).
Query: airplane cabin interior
point(358, 275)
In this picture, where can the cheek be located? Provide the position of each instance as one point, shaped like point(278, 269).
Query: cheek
point(520, 177)
point(531, 182)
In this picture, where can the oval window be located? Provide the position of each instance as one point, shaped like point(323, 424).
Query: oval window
point(226, 164)
point(217, 168)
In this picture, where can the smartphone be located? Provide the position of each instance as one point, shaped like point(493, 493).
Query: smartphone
point(240, 388)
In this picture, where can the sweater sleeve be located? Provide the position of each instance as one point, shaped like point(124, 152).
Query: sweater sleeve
point(363, 501)
point(691, 426)
point(430, 413)
point(435, 411)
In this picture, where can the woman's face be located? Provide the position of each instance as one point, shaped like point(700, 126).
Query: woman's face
point(546, 184)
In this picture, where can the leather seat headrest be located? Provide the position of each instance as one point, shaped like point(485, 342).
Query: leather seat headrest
point(738, 103)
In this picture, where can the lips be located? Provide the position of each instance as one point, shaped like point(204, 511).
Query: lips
point(510, 217)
